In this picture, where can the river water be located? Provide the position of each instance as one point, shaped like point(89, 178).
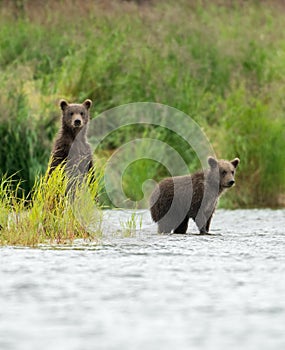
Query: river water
point(148, 291)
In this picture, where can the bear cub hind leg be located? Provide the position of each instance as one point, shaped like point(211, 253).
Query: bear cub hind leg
point(182, 228)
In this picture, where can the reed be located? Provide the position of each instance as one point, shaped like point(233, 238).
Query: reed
point(51, 215)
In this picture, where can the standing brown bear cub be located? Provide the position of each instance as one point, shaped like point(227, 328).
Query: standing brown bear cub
point(175, 200)
point(71, 146)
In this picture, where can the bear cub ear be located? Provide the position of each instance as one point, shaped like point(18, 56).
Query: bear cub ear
point(87, 104)
point(212, 162)
point(63, 104)
point(235, 162)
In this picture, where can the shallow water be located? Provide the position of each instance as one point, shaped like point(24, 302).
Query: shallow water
point(149, 291)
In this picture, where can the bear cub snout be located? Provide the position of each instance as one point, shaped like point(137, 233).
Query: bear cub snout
point(175, 200)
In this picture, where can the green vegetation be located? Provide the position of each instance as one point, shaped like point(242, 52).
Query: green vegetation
point(131, 225)
point(222, 64)
point(50, 215)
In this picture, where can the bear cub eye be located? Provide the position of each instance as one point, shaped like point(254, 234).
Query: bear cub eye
point(71, 113)
point(224, 173)
point(81, 113)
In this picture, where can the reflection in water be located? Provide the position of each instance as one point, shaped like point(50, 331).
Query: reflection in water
point(142, 290)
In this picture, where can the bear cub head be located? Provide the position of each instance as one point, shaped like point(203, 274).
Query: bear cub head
point(225, 171)
point(75, 116)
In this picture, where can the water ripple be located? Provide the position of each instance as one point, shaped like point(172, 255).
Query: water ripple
point(224, 291)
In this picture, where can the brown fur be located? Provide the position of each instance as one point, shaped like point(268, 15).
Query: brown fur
point(71, 144)
point(175, 200)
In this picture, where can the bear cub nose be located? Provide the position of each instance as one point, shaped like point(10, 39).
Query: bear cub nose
point(230, 183)
point(77, 122)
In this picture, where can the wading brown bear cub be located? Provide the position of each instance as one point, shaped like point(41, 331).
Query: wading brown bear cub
point(175, 200)
point(71, 146)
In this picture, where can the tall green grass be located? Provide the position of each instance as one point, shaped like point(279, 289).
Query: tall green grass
point(25, 141)
point(258, 137)
point(220, 62)
point(51, 214)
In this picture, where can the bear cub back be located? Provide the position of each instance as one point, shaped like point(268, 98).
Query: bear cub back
point(175, 200)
